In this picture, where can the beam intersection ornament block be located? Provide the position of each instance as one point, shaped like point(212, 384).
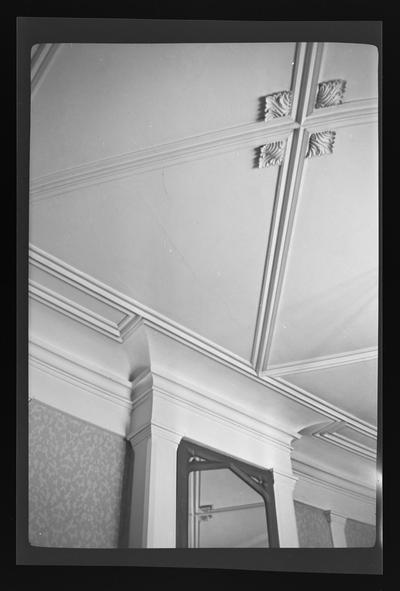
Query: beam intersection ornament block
point(321, 143)
point(330, 93)
point(278, 104)
point(271, 154)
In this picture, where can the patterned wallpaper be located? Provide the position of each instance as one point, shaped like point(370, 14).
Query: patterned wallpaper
point(359, 535)
point(313, 527)
point(75, 481)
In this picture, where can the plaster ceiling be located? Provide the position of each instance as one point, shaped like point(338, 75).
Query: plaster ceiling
point(152, 194)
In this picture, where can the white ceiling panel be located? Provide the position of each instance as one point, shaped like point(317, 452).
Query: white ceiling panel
point(352, 387)
point(357, 64)
point(103, 100)
point(188, 241)
point(328, 303)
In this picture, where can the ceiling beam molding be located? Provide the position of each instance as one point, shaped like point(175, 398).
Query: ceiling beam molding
point(42, 57)
point(157, 157)
point(357, 112)
point(304, 84)
point(325, 362)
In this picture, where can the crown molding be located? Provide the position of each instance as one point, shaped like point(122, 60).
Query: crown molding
point(328, 479)
point(41, 59)
point(331, 433)
point(348, 444)
point(210, 404)
point(116, 331)
point(131, 309)
point(165, 391)
point(77, 388)
point(148, 317)
point(325, 408)
point(160, 156)
point(323, 362)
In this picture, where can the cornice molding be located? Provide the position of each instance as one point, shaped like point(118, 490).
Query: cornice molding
point(116, 331)
point(332, 480)
point(148, 317)
point(325, 408)
point(323, 362)
point(329, 93)
point(41, 59)
point(181, 395)
point(130, 307)
point(320, 143)
point(331, 433)
point(161, 156)
point(87, 376)
point(77, 388)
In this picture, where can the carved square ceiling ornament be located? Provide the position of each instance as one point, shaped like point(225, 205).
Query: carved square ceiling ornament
point(278, 104)
point(330, 93)
point(321, 143)
point(271, 154)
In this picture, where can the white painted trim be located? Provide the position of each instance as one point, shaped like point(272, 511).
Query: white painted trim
point(203, 403)
point(333, 481)
point(348, 444)
point(288, 189)
point(77, 388)
point(210, 404)
point(41, 59)
point(118, 301)
point(157, 157)
point(331, 432)
point(357, 112)
point(127, 305)
point(313, 402)
point(75, 311)
point(323, 362)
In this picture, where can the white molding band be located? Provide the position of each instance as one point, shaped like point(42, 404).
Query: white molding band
point(323, 362)
point(333, 481)
point(107, 295)
point(84, 391)
point(66, 306)
point(131, 308)
point(151, 386)
point(329, 410)
point(357, 112)
point(205, 145)
point(308, 57)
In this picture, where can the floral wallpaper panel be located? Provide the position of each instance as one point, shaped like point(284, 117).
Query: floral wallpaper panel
point(313, 527)
point(75, 481)
point(359, 535)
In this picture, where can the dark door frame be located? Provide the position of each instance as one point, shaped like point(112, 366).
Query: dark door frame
point(192, 457)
